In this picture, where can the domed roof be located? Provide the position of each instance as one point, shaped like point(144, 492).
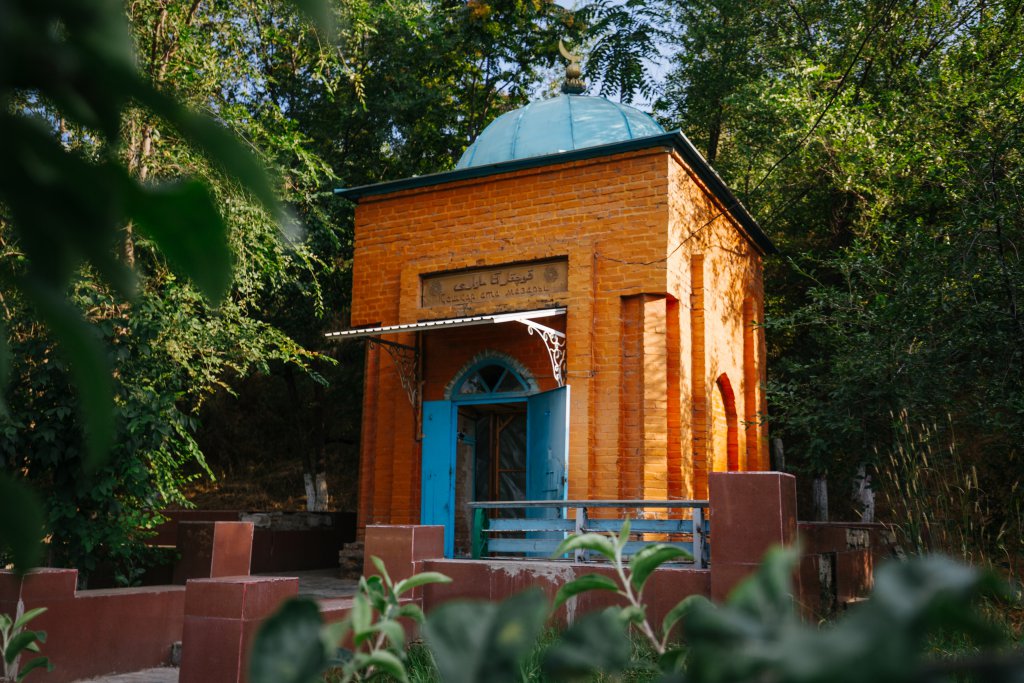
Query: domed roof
point(559, 124)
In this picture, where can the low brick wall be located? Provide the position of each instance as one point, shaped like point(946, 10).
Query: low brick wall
point(103, 631)
point(290, 541)
point(750, 512)
point(167, 533)
point(499, 579)
point(114, 630)
point(94, 632)
point(300, 540)
point(213, 549)
point(838, 563)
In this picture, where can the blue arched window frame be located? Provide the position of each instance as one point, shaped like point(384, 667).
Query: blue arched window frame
point(509, 369)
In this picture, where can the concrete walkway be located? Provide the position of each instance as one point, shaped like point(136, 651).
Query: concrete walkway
point(165, 674)
point(320, 583)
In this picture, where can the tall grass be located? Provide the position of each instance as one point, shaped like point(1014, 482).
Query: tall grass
point(936, 502)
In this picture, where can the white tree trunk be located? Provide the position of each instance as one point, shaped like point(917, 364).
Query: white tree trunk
point(317, 497)
point(864, 495)
point(779, 455)
point(819, 492)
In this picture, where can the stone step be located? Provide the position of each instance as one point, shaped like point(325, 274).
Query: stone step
point(350, 560)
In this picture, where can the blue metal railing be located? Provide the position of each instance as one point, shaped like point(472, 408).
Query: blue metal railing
point(540, 536)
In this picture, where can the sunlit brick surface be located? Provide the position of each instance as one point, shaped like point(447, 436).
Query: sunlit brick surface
point(647, 337)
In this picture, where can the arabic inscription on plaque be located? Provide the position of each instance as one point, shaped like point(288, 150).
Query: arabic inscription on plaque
point(479, 285)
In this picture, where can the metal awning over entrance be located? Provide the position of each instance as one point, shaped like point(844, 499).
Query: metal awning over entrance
point(406, 357)
point(525, 317)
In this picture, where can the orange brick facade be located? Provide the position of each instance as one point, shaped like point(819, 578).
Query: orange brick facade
point(664, 296)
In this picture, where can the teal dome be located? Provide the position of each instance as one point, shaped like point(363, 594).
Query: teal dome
point(559, 124)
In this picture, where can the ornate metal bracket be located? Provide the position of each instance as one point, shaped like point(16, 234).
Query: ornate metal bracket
point(406, 359)
point(554, 342)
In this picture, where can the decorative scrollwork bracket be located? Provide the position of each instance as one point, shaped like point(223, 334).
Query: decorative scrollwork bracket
point(406, 359)
point(554, 342)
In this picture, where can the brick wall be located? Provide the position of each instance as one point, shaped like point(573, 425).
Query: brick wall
point(630, 226)
point(718, 271)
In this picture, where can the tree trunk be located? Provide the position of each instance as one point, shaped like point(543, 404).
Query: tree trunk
point(714, 134)
point(317, 498)
point(317, 449)
point(308, 422)
point(301, 440)
point(163, 46)
point(864, 495)
point(819, 492)
point(778, 456)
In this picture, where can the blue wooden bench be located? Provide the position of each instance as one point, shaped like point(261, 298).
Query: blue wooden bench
point(543, 524)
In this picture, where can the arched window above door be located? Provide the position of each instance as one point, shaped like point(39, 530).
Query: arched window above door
point(491, 374)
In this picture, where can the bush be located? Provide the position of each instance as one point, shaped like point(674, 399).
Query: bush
point(757, 635)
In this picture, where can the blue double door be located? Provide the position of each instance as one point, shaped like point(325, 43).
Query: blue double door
point(547, 451)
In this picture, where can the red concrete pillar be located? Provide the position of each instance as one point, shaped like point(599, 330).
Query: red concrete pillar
point(213, 549)
point(402, 547)
point(222, 616)
point(750, 513)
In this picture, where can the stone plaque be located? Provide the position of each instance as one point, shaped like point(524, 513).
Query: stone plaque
point(481, 285)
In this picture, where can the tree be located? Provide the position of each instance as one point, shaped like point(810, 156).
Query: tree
point(879, 145)
point(71, 190)
point(117, 140)
point(411, 86)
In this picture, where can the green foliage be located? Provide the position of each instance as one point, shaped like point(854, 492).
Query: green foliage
point(295, 646)
point(291, 645)
point(170, 351)
point(587, 582)
point(650, 558)
point(85, 71)
point(937, 504)
point(16, 641)
point(82, 123)
point(625, 40)
point(758, 634)
point(416, 81)
point(569, 659)
point(21, 522)
point(879, 145)
point(479, 641)
point(596, 643)
point(629, 583)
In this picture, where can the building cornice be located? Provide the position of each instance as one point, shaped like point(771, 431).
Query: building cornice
point(674, 140)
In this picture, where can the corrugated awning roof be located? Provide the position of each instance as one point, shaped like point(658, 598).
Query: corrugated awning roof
point(446, 323)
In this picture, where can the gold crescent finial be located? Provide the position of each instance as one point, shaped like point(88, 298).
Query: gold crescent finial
point(565, 52)
point(573, 84)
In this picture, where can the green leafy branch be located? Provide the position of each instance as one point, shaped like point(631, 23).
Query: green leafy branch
point(16, 640)
point(758, 634)
point(631, 578)
point(67, 62)
point(295, 645)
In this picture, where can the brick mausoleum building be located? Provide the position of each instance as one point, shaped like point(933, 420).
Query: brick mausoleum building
point(572, 312)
